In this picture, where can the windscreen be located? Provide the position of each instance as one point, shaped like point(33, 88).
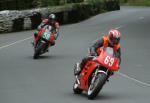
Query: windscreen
point(109, 51)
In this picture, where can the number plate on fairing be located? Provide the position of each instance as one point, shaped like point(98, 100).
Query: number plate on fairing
point(46, 35)
point(108, 61)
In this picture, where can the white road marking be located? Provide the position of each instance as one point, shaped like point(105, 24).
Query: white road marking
point(119, 27)
point(5, 46)
point(128, 77)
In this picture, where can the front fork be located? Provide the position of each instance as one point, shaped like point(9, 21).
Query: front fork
point(98, 71)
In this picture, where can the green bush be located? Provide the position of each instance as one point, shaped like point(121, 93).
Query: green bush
point(26, 4)
point(79, 12)
point(105, 4)
point(44, 3)
point(16, 4)
point(136, 2)
point(74, 1)
point(83, 11)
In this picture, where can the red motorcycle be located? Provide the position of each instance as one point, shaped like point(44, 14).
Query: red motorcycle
point(46, 38)
point(96, 72)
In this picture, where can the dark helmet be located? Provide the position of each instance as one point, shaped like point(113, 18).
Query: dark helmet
point(114, 37)
point(52, 17)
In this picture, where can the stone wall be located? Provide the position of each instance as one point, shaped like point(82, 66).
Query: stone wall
point(29, 19)
point(15, 20)
point(26, 19)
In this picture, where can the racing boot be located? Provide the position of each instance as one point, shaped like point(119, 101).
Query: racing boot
point(35, 36)
point(79, 66)
point(77, 69)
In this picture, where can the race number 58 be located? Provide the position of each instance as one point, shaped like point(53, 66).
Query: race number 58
point(109, 61)
point(46, 36)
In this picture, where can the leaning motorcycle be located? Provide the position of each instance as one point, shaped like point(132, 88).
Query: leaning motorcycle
point(96, 72)
point(43, 44)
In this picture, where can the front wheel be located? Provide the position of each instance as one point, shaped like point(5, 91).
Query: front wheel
point(38, 50)
point(96, 85)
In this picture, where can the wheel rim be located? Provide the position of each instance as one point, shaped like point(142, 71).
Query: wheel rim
point(93, 85)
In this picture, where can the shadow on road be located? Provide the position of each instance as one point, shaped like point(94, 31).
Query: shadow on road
point(48, 56)
point(103, 96)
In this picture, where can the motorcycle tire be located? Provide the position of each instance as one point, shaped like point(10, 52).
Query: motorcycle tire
point(95, 88)
point(38, 49)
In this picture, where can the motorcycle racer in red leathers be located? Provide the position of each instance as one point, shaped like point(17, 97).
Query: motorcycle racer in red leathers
point(51, 21)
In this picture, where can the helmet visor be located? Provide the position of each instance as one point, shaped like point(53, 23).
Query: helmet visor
point(115, 40)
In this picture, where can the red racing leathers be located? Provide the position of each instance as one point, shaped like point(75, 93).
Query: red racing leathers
point(55, 29)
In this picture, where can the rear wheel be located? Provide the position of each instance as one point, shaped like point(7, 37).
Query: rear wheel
point(96, 85)
point(76, 88)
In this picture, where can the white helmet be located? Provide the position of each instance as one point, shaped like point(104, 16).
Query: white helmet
point(114, 36)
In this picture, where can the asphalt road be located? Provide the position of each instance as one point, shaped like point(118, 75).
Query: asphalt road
point(50, 78)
